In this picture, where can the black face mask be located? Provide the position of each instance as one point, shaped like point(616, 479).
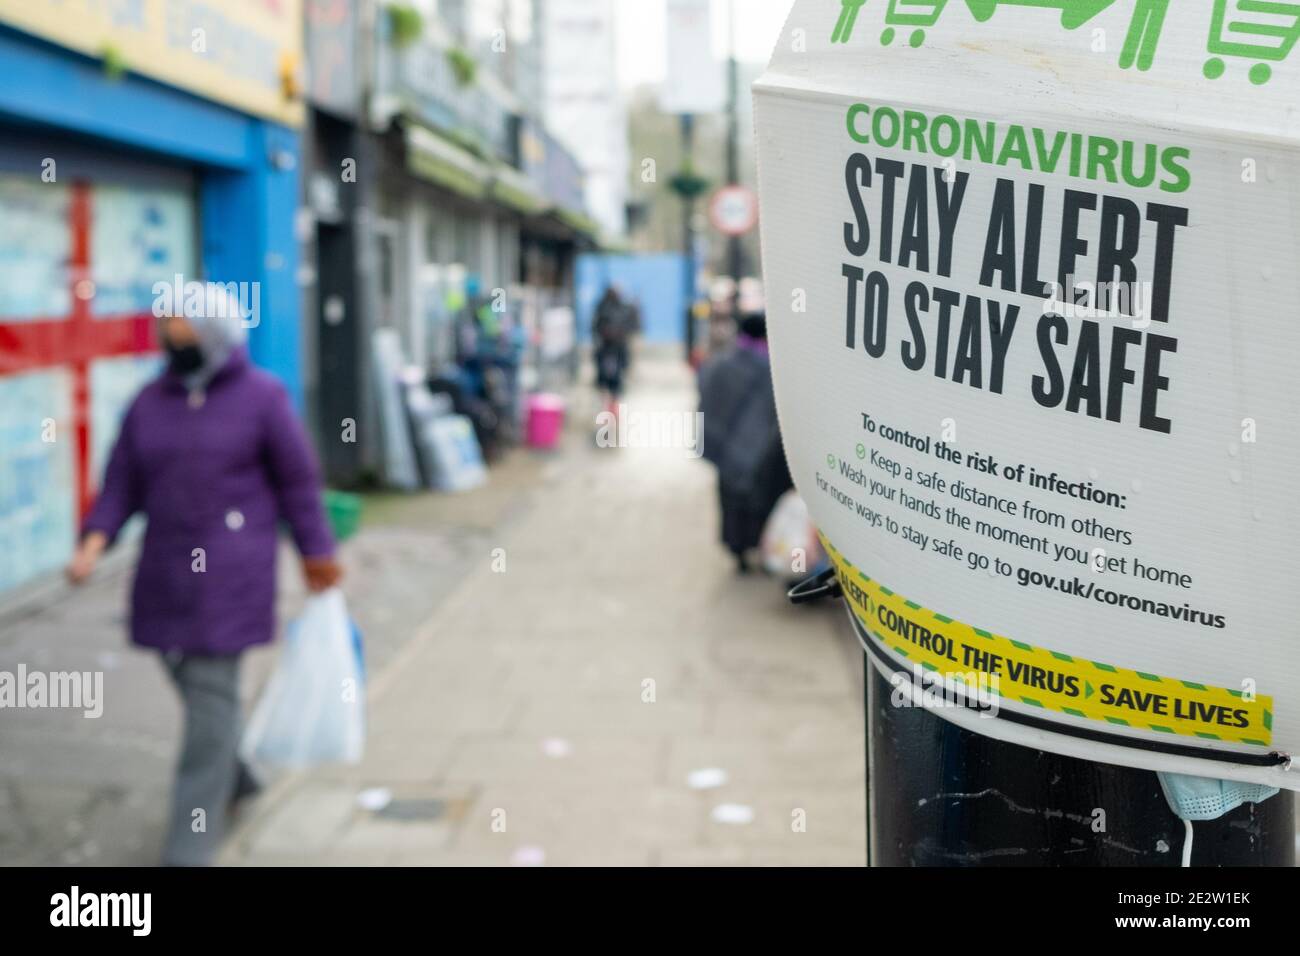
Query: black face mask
point(184, 359)
point(755, 326)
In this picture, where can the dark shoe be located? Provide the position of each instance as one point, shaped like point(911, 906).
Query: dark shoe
point(247, 786)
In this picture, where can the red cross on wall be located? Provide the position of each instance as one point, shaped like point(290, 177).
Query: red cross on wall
point(74, 341)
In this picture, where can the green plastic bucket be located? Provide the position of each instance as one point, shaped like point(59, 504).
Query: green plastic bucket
point(344, 513)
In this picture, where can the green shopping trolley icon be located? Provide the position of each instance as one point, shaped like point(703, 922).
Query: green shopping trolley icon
point(911, 13)
point(1263, 30)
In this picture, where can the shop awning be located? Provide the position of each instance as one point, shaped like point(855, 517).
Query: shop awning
point(577, 221)
point(437, 159)
point(564, 225)
point(514, 190)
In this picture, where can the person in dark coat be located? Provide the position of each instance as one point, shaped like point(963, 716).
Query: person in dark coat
point(214, 456)
point(613, 328)
point(742, 438)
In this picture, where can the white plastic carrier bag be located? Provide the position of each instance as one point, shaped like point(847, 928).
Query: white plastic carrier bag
point(313, 708)
point(789, 533)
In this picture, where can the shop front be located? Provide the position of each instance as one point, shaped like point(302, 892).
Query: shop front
point(114, 184)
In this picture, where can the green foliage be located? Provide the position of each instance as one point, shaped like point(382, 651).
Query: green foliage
point(688, 184)
point(463, 65)
point(405, 23)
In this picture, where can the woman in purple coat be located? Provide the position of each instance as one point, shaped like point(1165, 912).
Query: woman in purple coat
point(213, 455)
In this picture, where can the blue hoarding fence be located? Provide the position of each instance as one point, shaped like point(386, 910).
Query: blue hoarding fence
point(655, 282)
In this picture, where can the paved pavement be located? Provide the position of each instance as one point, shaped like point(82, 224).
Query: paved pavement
point(92, 791)
point(569, 709)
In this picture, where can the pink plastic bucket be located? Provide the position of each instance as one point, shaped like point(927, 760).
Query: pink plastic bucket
point(545, 420)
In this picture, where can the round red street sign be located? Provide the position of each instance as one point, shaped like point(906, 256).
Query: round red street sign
point(733, 210)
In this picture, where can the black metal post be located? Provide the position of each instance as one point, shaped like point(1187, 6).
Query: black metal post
point(688, 231)
point(735, 250)
point(939, 795)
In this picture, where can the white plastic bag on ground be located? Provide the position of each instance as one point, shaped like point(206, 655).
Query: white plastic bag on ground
point(789, 527)
point(313, 708)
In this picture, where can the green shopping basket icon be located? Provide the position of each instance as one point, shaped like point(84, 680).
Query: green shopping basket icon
point(1262, 30)
point(911, 13)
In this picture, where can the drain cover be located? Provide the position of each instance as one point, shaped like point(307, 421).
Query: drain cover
point(413, 809)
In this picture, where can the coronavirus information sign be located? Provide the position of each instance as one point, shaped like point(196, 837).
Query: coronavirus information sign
point(1033, 302)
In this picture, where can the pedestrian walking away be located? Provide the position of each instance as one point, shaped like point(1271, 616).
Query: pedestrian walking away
point(613, 328)
point(213, 455)
point(742, 438)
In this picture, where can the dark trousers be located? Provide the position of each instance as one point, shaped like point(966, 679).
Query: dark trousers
point(742, 526)
point(209, 772)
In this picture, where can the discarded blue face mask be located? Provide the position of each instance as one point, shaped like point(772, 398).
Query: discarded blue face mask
point(1203, 798)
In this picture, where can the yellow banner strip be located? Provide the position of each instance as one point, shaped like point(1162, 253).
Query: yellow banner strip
point(1037, 677)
